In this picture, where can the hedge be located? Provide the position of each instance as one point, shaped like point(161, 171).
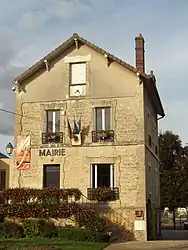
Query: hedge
point(46, 229)
point(50, 203)
point(23, 195)
point(83, 217)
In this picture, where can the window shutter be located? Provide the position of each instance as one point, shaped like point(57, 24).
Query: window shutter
point(78, 73)
point(107, 119)
point(98, 119)
point(94, 119)
point(49, 120)
point(57, 121)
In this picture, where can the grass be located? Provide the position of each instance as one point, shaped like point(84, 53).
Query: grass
point(48, 244)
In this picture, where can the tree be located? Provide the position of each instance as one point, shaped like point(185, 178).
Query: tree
point(173, 172)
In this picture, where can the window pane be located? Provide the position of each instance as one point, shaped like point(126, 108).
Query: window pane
point(52, 176)
point(49, 121)
point(57, 121)
point(103, 175)
point(78, 73)
point(98, 119)
point(107, 118)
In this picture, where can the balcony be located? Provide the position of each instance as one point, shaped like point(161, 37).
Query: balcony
point(103, 194)
point(52, 137)
point(103, 136)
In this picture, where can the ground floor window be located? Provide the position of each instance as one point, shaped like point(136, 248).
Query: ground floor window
point(102, 175)
point(51, 176)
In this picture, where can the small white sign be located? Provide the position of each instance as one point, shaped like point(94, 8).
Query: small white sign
point(139, 225)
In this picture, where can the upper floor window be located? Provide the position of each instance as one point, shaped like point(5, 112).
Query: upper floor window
point(78, 79)
point(102, 119)
point(53, 121)
point(102, 123)
point(53, 132)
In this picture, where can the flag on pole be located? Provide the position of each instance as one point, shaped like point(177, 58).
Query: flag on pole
point(70, 129)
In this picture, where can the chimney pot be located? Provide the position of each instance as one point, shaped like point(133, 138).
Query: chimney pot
point(140, 58)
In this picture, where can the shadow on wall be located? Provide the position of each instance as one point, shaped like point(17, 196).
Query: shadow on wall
point(84, 133)
point(120, 227)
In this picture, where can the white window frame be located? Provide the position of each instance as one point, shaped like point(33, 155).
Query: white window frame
point(74, 83)
point(112, 175)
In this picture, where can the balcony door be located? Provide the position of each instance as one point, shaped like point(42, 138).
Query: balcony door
point(53, 132)
point(102, 175)
point(102, 119)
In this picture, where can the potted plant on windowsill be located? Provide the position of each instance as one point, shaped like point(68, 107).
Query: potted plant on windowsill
point(102, 194)
point(105, 135)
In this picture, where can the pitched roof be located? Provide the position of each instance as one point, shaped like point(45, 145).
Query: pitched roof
point(3, 156)
point(54, 53)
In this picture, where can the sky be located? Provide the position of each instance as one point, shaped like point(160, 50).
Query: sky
point(30, 29)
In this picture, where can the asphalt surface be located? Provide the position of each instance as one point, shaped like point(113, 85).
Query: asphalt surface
point(152, 245)
point(174, 240)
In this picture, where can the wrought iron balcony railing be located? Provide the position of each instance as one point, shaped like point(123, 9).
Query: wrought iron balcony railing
point(103, 194)
point(103, 136)
point(52, 137)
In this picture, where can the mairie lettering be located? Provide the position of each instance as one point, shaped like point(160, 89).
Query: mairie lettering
point(52, 152)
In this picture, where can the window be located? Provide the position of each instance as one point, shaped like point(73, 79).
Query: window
point(78, 73)
point(102, 119)
point(102, 125)
point(53, 121)
point(53, 132)
point(78, 79)
point(51, 176)
point(102, 175)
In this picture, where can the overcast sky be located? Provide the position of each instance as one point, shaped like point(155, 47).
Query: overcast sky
point(31, 28)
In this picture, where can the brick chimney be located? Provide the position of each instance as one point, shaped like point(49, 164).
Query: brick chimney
point(139, 47)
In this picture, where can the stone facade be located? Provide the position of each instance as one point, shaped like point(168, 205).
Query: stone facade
point(107, 86)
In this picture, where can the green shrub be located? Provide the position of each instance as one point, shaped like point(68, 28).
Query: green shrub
point(34, 227)
point(79, 234)
point(47, 228)
point(30, 227)
point(9, 229)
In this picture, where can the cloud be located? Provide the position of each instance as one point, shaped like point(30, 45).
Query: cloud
point(30, 29)
point(53, 10)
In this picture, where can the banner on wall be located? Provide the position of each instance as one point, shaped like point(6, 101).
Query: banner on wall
point(23, 153)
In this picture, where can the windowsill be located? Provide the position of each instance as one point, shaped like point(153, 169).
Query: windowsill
point(51, 145)
point(77, 97)
point(103, 143)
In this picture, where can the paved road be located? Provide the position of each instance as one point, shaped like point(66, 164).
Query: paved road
point(175, 235)
point(178, 240)
point(152, 245)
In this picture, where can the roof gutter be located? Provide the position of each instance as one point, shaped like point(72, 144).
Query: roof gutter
point(162, 116)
